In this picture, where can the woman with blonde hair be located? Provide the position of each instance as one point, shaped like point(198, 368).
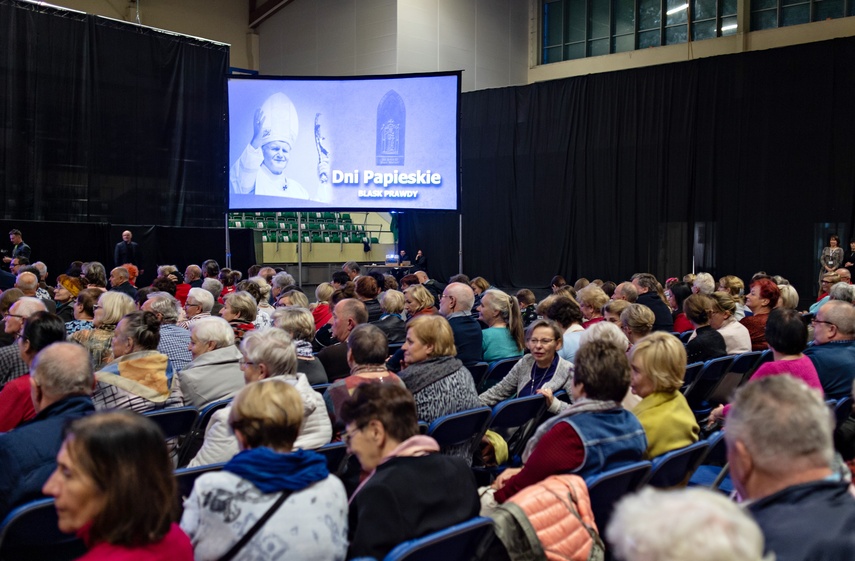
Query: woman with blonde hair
point(240, 310)
point(706, 343)
point(789, 297)
point(321, 312)
point(737, 340)
point(111, 308)
point(391, 323)
point(504, 336)
point(308, 507)
point(419, 301)
point(592, 298)
point(299, 324)
point(734, 286)
point(658, 364)
point(637, 322)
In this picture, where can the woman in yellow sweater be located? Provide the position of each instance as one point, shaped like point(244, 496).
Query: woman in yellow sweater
point(658, 365)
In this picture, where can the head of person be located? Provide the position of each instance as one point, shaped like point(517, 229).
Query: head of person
point(833, 240)
point(704, 283)
point(422, 276)
point(229, 277)
point(605, 331)
point(293, 297)
point(677, 294)
point(592, 298)
point(60, 370)
point(658, 364)
point(842, 291)
point(731, 284)
point(428, 336)
point(323, 293)
point(84, 304)
point(580, 284)
point(565, 311)
point(525, 297)
point(214, 286)
point(366, 288)
point(417, 298)
point(479, 285)
point(844, 274)
point(239, 306)
point(637, 321)
point(210, 269)
point(280, 283)
point(267, 414)
point(295, 321)
point(42, 270)
point(457, 297)
point(209, 334)
point(409, 280)
point(377, 418)
point(674, 525)
point(543, 338)
point(777, 428)
point(40, 330)
point(119, 276)
point(697, 308)
point(166, 307)
point(601, 373)
point(835, 321)
point(644, 283)
point(133, 272)
point(127, 236)
point(347, 314)
point(137, 331)
point(199, 301)
point(367, 345)
point(67, 288)
point(557, 282)
point(352, 269)
point(828, 280)
point(9, 297)
point(263, 287)
point(339, 279)
point(15, 236)
point(786, 333)
point(266, 354)
point(392, 301)
point(723, 309)
point(27, 283)
point(279, 132)
point(94, 274)
point(613, 309)
point(105, 460)
point(252, 288)
point(18, 313)
point(112, 307)
point(459, 277)
point(763, 296)
point(192, 273)
point(390, 283)
point(789, 297)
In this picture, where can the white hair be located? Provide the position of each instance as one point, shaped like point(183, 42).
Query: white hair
point(694, 524)
point(605, 331)
point(202, 297)
point(214, 329)
point(705, 283)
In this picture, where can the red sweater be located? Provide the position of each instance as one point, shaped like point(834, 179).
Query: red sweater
point(175, 546)
point(16, 405)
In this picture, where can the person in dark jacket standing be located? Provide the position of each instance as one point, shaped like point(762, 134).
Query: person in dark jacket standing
point(128, 251)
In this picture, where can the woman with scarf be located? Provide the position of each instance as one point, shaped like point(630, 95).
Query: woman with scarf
point(307, 507)
point(111, 307)
point(441, 385)
point(299, 324)
point(592, 435)
point(410, 490)
point(541, 369)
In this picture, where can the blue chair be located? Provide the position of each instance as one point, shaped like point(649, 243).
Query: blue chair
point(691, 374)
point(458, 429)
point(193, 442)
point(674, 468)
point(740, 371)
point(176, 421)
point(478, 371)
point(335, 453)
point(842, 410)
point(498, 370)
point(698, 394)
point(186, 477)
point(321, 388)
point(30, 533)
point(461, 542)
point(516, 419)
point(686, 335)
point(608, 487)
point(394, 347)
point(713, 472)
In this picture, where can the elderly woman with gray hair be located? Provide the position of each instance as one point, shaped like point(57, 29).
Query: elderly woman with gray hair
point(300, 325)
point(214, 373)
point(267, 354)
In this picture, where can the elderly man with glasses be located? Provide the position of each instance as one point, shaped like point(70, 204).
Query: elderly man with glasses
point(833, 350)
point(198, 306)
point(11, 364)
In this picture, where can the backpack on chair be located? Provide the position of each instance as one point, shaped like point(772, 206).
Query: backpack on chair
point(550, 521)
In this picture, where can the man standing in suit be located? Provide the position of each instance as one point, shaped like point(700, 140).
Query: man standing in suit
point(128, 251)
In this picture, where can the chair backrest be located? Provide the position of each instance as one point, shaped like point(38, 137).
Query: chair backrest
point(175, 421)
point(321, 388)
point(335, 453)
point(516, 419)
point(461, 542)
point(394, 348)
point(196, 436)
point(478, 371)
point(686, 335)
point(742, 365)
point(186, 477)
point(692, 371)
point(608, 487)
point(30, 532)
point(707, 379)
point(498, 370)
point(842, 410)
point(675, 467)
point(460, 428)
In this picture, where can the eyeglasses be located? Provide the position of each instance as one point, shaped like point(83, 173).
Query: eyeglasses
point(9, 315)
point(347, 436)
point(541, 341)
point(815, 321)
point(97, 307)
point(188, 304)
point(243, 362)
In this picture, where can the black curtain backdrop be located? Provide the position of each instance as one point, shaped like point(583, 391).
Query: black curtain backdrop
point(739, 161)
point(104, 121)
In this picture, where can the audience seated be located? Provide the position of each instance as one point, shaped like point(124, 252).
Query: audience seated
point(761, 300)
point(594, 434)
point(16, 405)
point(540, 371)
point(504, 336)
point(114, 487)
point(527, 302)
point(367, 292)
point(299, 324)
point(174, 340)
point(197, 307)
point(391, 322)
point(780, 452)
point(65, 295)
point(723, 319)
point(455, 305)
point(240, 310)
point(592, 298)
point(309, 520)
point(140, 378)
point(705, 343)
point(61, 385)
point(658, 366)
point(833, 349)
point(322, 313)
point(613, 310)
point(84, 311)
point(440, 384)
point(267, 354)
point(214, 373)
point(676, 296)
point(625, 291)
point(650, 294)
point(347, 314)
point(410, 489)
point(110, 309)
point(12, 365)
point(637, 322)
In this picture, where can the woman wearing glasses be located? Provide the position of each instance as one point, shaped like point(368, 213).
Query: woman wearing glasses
point(540, 371)
point(110, 309)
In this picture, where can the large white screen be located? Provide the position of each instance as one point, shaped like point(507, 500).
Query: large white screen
point(370, 143)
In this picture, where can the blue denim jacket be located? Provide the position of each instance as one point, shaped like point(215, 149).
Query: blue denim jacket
point(612, 439)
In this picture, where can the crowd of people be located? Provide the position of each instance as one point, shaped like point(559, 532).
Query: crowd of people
point(84, 356)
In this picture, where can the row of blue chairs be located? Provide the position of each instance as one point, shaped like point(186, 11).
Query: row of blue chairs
point(709, 383)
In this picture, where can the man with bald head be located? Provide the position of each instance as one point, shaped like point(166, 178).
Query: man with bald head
point(127, 251)
point(833, 349)
point(625, 291)
point(120, 282)
point(193, 276)
point(62, 383)
point(346, 315)
point(433, 286)
point(28, 283)
point(11, 364)
point(455, 305)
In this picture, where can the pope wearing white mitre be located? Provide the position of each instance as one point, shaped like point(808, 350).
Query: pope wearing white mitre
point(261, 167)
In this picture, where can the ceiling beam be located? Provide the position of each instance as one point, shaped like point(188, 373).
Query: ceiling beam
point(260, 10)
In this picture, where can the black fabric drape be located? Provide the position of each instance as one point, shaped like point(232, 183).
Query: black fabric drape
point(105, 121)
point(730, 160)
